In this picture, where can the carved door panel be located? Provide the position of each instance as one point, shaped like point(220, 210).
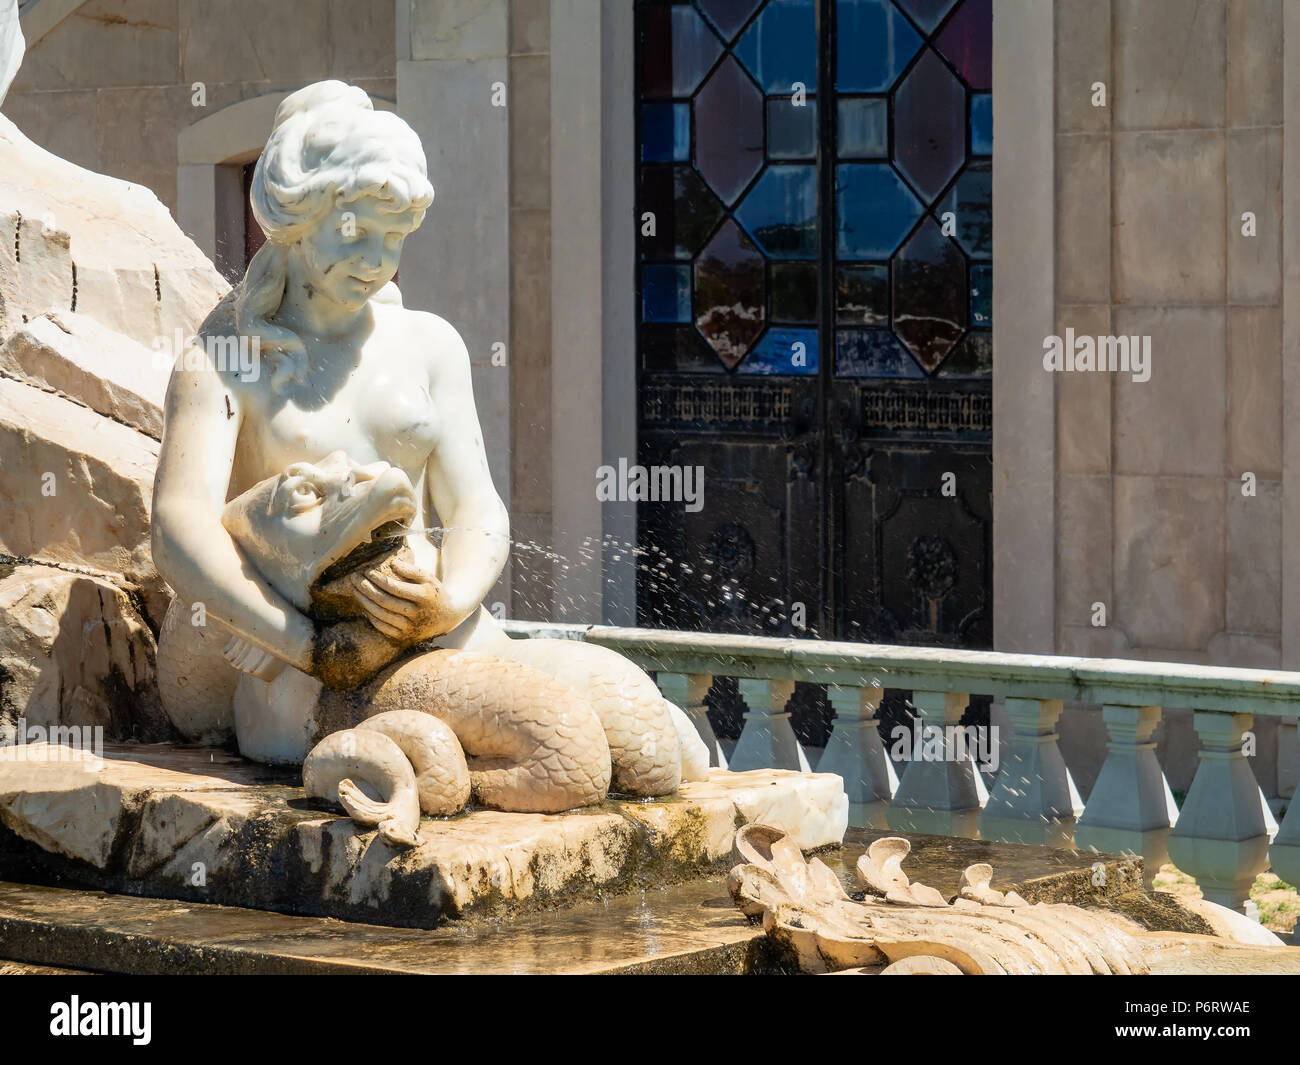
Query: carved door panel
point(814, 329)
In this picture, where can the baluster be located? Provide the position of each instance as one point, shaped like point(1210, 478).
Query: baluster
point(1034, 799)
point(1130, 809)
point(1284, 854)
point(767, 740)
point(688, 690)
point(1223, 830)
point(940, 796)
point(855, 752)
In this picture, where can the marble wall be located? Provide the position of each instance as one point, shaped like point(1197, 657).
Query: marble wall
point(1151, 188)
point(1150, 192)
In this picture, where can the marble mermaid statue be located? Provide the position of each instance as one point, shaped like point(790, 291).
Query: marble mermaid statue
point(316, 617)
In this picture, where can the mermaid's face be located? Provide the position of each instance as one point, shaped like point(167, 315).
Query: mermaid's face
point(354, 251)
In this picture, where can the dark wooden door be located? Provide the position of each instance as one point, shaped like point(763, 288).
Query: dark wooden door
point(814, 213)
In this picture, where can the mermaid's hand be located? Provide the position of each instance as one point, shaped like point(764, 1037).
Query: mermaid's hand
point(250, 659)
point(405, 602)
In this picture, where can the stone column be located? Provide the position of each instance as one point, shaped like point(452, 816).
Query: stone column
point(453, 88)
point(767, 740)
point(688, 690)
point(942, 795)
point(1130, 808)
point(1034, 799)
point(855, 752)
point(577, 324)
point(1224, 827)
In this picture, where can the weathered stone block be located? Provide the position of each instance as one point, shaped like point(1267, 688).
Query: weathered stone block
point(1162, 87)
point(1083, 58)
point(1083, 547)
point(1169, 217)
point(1255, 185)
point(103, 370)
point(1173, 423)
point(1083, 400)
point(1169, 565)
point(459, 29)
point(1254, 383)
point(75, 650)
point(1254, 585)
point(163, 813)
point(93, 508)
point(1083, 229)
point(1254, 62)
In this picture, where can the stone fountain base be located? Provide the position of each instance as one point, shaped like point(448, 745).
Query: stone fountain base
point(200, 824)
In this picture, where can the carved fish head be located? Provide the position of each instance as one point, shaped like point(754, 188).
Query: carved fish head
point(294, 526)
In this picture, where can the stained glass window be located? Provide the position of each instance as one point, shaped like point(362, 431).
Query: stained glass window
point(771, 231)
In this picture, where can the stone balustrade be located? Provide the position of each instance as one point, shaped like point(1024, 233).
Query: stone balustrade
point(1224, 835)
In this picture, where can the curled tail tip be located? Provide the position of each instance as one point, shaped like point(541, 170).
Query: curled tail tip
point(397, 834)
point(360, 806)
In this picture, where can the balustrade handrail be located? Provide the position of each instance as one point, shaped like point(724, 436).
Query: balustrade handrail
point(1122, 682)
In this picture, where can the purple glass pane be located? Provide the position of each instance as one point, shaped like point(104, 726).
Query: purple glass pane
point(929, 294)
point(729, 130)
point(926, 13)
point(929, 126)
point(967, 41)
point(727, 16)
point(730, 293)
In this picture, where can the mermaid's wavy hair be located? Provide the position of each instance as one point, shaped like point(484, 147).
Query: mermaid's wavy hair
point(328, 147)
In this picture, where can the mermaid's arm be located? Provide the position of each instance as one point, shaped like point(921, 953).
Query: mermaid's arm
point(476, 543)
point(191, 548)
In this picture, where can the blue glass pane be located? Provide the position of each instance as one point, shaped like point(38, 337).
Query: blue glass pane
point(780, 212)
point(875, 44)
point(666, 293)
point(981, 296)
point(864, 127)
point(875, 210)
point(926, 13)
point(677, 50)
point(971, 201)
point(727, 16)
point(981, 123)
point(872, 353)
point(783, 351)
point(729, 130)
point(973, 357)
point(791, 129)
point(665, 133)
point(780, 47)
